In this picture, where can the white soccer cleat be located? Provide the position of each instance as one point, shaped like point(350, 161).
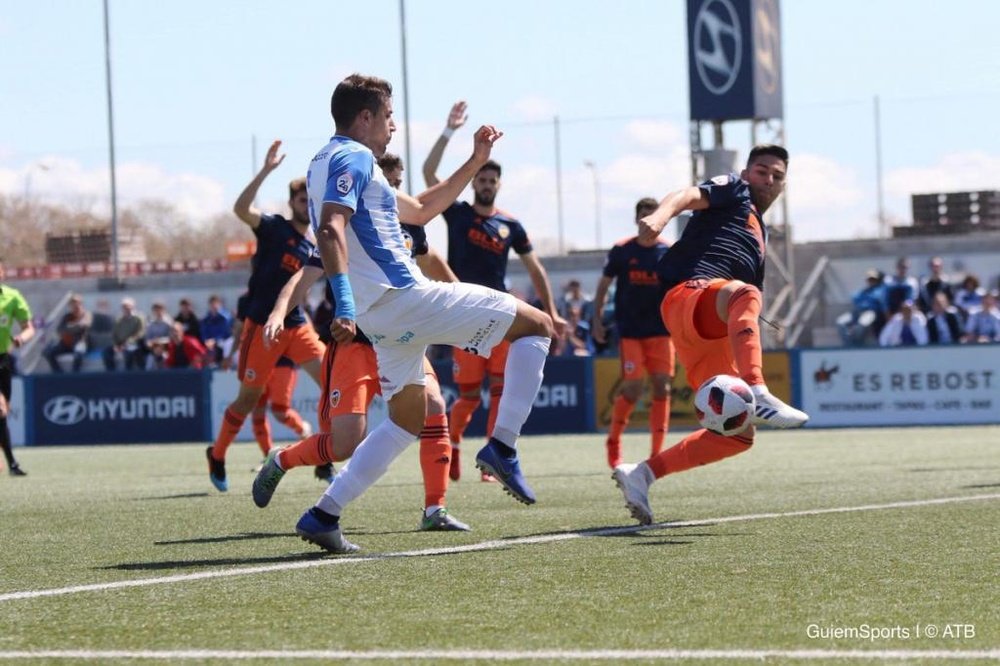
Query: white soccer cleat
point(771, 411)
point(633, 483)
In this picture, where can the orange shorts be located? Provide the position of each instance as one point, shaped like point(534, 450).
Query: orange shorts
point(471, 368)
point(300, 344)
point(281, 386)
point(701, 357)
point(641, 355)
point(350, 381)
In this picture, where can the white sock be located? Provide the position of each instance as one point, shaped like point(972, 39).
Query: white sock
point(431, 510)
point(522, 377)
point(367, 465)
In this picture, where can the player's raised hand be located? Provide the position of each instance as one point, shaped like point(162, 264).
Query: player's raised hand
point(559, 325)
point(484, 139)
point(457, 116)
point(273, 159)
point(272, 329)
point(342, 329)
point(649, 229)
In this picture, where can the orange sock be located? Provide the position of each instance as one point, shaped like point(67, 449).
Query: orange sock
point(313, 450)
point(744, 334)
point(699, 448)
point(289, 418)
point(620, 415)
point(435, 458)
point(461, 414)
point(262, 430)
point(231, 424)
point(659, 422)
point(491, 419)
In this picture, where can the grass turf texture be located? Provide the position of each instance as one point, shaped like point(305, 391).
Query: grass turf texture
point(105, 514)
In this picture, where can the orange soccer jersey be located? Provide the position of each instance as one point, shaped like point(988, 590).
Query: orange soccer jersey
point(257, 362)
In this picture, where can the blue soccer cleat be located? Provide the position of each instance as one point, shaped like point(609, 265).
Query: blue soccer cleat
point(216, 472)
point(327, 537)
point(495, 459)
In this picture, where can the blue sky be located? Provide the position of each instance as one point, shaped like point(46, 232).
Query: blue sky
point(195, 81)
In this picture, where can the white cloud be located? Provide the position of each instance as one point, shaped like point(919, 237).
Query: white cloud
point(533, 109)
point(957, 172)
point(65, 181)
point(654, 135)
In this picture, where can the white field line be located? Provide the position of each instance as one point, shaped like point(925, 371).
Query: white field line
point(478, 547)
point(528, 655)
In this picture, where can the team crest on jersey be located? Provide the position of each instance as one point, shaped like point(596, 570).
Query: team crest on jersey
point(503, 231)
point(251, 374)
point(407, 240)
point(344, 183)
point(628, 367)
point(4, 320)
point(334, 397)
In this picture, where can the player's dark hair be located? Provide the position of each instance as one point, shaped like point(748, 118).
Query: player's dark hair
point(390, 161)
point(771, 149)
point(295, 186)
point(644, 203)
point(355, 94)
point(491, 166)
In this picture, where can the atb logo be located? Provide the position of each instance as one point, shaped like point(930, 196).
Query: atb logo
point(718, 45)
point(65, 410)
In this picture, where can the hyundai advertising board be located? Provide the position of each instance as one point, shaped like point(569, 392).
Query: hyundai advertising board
point(119, 408)
point(734, 59)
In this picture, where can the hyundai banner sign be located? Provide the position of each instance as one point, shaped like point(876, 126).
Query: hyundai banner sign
point(734, 59)
point(121, 408)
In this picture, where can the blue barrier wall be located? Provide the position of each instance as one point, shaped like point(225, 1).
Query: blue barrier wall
point(565, 403)
point(117, 408)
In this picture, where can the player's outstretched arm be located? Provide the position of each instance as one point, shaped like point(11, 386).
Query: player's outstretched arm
point(600, 298)
point(433, 265)
point(244, 207)
point(543, 289)
point(332, 241)
point(689, 198)
point(436, 199)
point(294, 293)
point(456, 118)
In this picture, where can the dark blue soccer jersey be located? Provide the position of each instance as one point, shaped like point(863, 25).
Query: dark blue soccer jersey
point(478, 246)
point(281, 251)
point(726, 240)
point(638, 292)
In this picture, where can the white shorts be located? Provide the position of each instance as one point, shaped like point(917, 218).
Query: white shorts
point(403, 322)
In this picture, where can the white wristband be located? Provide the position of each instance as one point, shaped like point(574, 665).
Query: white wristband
point(447, 132)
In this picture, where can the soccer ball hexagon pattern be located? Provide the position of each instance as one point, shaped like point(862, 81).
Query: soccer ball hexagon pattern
point(724, 405)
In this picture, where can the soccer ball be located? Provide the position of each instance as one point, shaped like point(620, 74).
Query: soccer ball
point(724, 405)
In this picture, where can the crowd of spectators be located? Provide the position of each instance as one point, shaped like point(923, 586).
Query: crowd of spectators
point(134, 341)
point(900, 310)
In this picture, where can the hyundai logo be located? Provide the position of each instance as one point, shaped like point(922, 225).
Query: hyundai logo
point(718, 45)
point(65, 410)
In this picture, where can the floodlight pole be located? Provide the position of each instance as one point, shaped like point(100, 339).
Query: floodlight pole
point(111, 147)
point(406, 97)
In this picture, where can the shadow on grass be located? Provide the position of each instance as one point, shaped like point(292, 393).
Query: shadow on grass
point(925, 470)
point(170, 497)
point(983, 485)
point(217, 562)
point(245, 536)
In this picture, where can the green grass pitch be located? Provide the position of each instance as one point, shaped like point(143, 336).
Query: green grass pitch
point(544, 583)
